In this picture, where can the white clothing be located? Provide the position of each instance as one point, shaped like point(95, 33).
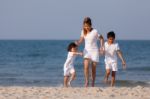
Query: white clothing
point(112, 66)
point(91, 50)
point(111, 55)
point(69, 64)
point(91, 39)
point(68, 71)
point(91, 54)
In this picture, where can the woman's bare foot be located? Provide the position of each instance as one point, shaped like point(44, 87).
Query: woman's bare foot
point(93, 84)
point(86, 84)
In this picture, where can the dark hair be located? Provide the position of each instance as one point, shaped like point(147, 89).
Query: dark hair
point(87, 20)
point(111, 34)
point(71, 45)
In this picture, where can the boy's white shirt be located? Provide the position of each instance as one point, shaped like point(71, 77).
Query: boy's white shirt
point(91, 39)
point(111, 52)
point(70, 60)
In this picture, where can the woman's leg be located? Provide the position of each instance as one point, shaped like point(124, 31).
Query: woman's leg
point(113, 78)
point(93, 73)
point(86, 71)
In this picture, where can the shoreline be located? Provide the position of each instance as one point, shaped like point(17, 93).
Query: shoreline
point(24, 92)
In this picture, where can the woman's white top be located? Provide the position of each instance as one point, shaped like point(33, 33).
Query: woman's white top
point(91, 39)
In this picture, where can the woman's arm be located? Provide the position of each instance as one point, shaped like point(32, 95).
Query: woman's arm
point(78, 42)
point(102, 50)
point(101, 40)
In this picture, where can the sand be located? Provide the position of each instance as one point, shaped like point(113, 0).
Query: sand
point(18, 92)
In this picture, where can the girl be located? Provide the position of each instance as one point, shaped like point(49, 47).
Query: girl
point(69, 71)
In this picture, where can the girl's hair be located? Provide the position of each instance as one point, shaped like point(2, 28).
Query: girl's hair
point(87, 20)
point(71, 45)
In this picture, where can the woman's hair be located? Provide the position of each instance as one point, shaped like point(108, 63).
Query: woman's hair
point(87, 20)
point(111, 34)
point(71, 45)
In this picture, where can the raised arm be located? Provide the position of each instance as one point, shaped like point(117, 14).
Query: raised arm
point(122, 59)
point(78, 42)
point(102, 45)
point(78, 53)
point(101, 40)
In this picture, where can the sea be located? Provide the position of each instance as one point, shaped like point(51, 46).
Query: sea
point(40, 63)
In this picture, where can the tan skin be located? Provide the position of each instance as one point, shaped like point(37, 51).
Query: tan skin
point(111, 41)
point(87, 61)
point(69, 79)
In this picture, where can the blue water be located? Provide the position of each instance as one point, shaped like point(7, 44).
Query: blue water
point(40, 63)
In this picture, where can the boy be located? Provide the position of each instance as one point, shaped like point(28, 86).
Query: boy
point(69, 71)
point(111, 49)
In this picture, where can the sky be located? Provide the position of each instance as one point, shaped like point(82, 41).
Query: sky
point(63, 19)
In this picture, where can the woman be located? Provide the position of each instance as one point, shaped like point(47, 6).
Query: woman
point(91, 50)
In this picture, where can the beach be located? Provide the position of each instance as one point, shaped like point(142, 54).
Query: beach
point(33, 70)
point(22, 92)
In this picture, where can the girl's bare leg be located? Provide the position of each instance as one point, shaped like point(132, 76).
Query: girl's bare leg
point(73, 76)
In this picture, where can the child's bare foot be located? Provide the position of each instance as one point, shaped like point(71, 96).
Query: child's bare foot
point(69, 83)
point(105, 80)
point(65, 86)
point(108, 82)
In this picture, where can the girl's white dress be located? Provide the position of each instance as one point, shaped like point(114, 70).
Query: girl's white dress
point(91, 50)
point(69, 64)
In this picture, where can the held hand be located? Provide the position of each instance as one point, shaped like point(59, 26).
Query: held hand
point(81, 53)
point(124, 65)
point(101, 50)
point(66, 66)
point(76, 42)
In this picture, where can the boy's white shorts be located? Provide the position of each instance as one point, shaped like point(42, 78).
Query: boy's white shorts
point(68, 71)
point(113, 66)
point(91, 54)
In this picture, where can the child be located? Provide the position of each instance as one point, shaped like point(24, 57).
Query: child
point(111, 49)
point(69, 71)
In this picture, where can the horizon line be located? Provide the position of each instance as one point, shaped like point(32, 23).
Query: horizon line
point(75, 39)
